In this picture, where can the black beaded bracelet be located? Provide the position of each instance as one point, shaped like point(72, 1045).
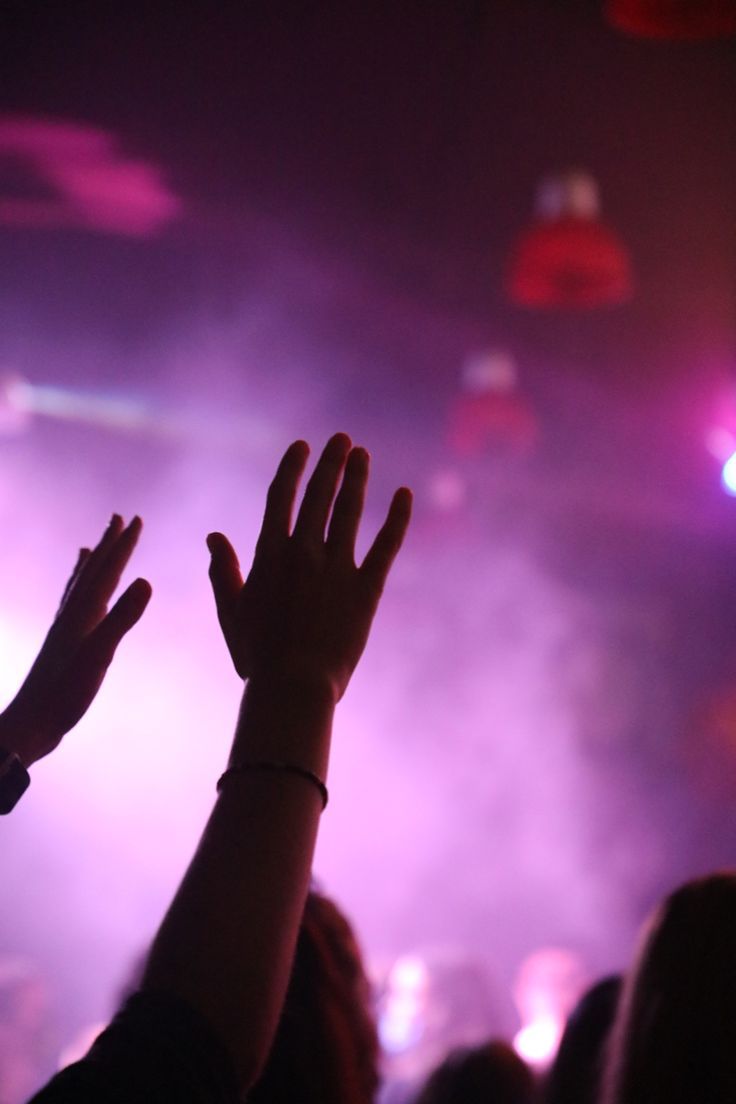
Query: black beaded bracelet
point(286, 768)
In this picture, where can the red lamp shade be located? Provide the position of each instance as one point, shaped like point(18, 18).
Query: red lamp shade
point(567, 257)
point(674, 19)
point(490, 414)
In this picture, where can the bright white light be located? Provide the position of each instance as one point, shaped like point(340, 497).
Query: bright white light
point(548, 985)
point(409, 973)
point(60, 402)
point(728, 475)
point(537, 1042)
point(401, 1023)
point(400, 1027)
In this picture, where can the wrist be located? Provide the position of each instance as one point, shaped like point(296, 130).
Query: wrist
point(310, 690)
point(285, 719)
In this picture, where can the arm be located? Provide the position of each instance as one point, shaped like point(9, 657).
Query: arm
point(78, 648)
point(295, 629)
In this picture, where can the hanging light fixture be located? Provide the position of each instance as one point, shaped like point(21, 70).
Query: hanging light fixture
point(674, 19)
point(490, 414)
point(568, 257)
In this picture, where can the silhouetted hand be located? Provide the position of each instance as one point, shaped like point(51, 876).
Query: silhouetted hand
point(305, 610)
point(79, 647)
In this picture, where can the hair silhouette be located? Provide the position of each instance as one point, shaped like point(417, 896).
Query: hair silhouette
point(674, 1039)
point(326, 1046)
point(488, 1074)
point(577, 1071)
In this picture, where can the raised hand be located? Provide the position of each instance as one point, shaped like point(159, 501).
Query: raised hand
point(79, 647)
point(305, 610)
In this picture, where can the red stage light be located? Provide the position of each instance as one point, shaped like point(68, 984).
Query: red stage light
point(567, 257)
point(674, 19)
point(491, 414)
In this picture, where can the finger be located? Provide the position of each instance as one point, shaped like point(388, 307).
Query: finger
point(73, 612)
point(101, 583)
point(348, 509)
point(116, 560)
point(100, 576)
point(276, 524)
point(97, 562)
point(100, 645)
point(96, 654)
point(99, 552)
point(225, 576)
point(320, 492)
point(84, 554)
point(383, 551)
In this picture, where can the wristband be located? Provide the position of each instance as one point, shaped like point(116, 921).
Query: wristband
point(285, 768)
point(14, 781)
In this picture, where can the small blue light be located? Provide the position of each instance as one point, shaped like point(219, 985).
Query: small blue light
point(728, 475)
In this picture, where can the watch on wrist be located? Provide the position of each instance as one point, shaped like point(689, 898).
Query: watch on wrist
point(14, 780)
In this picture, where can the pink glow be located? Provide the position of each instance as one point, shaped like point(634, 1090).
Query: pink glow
point(241, 229)
point(467, 798)
point(117, 810)
point(549, 983)
point(95, 184)
point(402, 1018)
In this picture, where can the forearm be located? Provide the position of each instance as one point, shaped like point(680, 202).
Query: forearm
point(227, 942)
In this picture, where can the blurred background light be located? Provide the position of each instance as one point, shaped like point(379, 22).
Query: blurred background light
point(673, 19)
point(81, 179)
point(568, 258)
point(490, 412)
point(728, 474)
point(547, 987)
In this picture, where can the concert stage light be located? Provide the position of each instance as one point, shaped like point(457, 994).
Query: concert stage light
point(568, 257)
point(681, 20)
point(728, 475)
